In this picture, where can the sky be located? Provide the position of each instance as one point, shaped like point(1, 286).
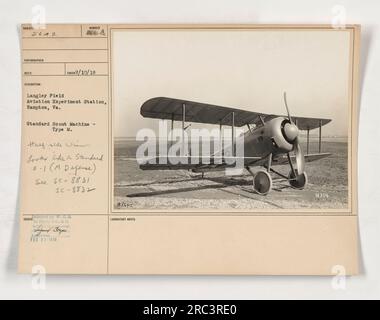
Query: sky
point(247, 69)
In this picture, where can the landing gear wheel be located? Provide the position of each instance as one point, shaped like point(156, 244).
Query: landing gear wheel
point(262, 182)
point(298, 182)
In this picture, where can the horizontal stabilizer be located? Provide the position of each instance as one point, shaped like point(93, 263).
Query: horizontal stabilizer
point(308, 158)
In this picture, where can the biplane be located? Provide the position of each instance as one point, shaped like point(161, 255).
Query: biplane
point(268, 141)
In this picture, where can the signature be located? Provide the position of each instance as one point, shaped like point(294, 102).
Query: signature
point(55, 230)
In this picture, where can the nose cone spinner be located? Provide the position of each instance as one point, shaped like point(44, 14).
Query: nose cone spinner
point(291, 132)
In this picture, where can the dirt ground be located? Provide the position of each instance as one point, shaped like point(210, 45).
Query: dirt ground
point(181, 189)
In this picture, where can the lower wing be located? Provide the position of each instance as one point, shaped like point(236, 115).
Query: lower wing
point(196, 163)
point(218, 163)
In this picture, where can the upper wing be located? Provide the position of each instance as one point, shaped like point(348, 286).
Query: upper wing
point(168, 108)
point(171, 109)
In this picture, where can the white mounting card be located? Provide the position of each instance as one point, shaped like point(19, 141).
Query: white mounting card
point(189, 149)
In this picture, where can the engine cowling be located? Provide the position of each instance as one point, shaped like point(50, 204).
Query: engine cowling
point(282, 132)
point(278, 135)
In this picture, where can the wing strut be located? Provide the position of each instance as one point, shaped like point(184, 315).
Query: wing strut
point(183, 128)
point(232, 113)
point(307, 144)
point(320, 136)
point(220, 139)
point(171, 133)
point(233, 135)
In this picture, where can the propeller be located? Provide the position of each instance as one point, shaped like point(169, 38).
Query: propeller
point(291, 131)
point(287, 108)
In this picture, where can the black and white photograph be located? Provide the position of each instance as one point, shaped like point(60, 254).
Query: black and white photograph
point(232, 119)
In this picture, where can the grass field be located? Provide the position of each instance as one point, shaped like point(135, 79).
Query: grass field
point(180, 189)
